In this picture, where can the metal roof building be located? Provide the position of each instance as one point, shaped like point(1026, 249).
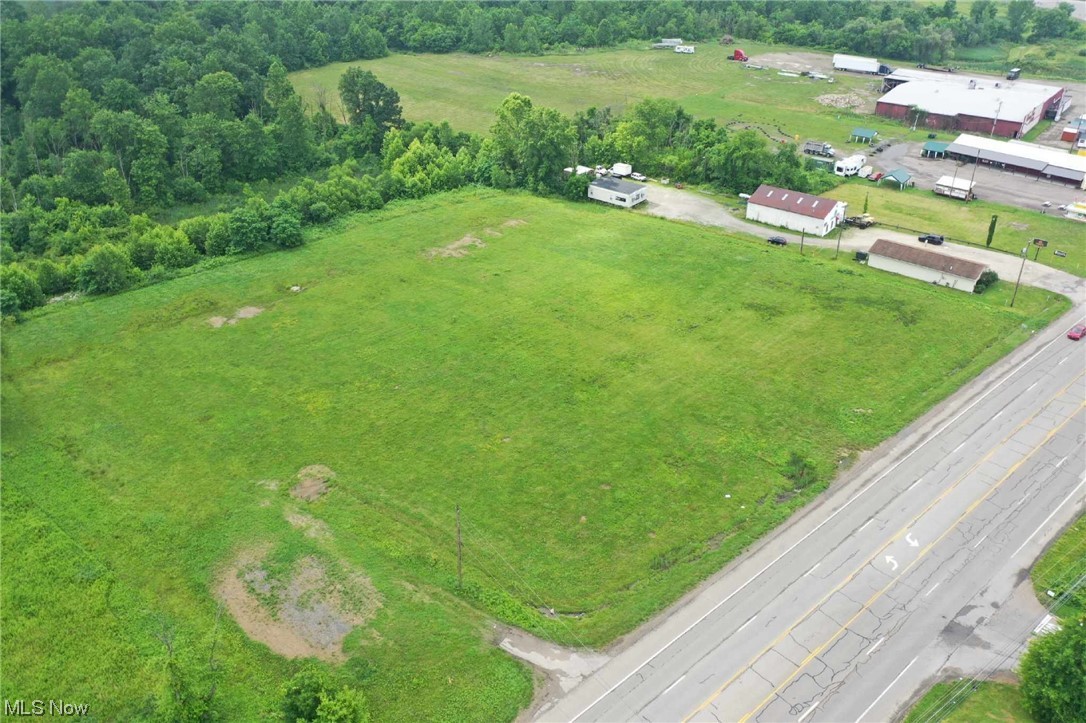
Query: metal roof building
point(616, 192)
point(793, 210)
point(926, 265)
point(1020, 157)
point(955, 102)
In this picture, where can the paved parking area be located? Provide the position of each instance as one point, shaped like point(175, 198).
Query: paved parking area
point(992, 185)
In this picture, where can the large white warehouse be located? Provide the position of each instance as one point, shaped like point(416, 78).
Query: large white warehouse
point(793, 210)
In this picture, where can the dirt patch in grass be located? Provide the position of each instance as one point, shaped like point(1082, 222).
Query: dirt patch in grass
point(491, 232)
point(245, 312)
point(312, 482)
point(307, 615)
point(845, 102)
point(309, 525)
point(457, 249)
point(514, 222)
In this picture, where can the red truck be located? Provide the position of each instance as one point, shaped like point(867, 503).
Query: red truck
point(739, 55)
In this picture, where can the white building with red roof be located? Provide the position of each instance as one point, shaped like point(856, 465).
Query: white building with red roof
point(815, 215)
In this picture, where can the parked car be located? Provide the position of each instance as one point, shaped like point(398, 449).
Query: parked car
point(638, 176)
point(778, 240)
point(1077, 332)
point(875, 176)
point(931, 238)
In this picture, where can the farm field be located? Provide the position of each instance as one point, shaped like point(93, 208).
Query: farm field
point(619, 404)
point(466, 89)
point(921, 209)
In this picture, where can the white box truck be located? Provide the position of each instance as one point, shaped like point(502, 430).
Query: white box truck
point(850, 166)
point(856, 64)
point(621, 170)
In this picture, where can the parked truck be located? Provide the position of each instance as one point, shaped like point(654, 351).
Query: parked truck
point(621, 170)
point(857, 64)
point(850, 166)
point(739, 55)
point(818, 148)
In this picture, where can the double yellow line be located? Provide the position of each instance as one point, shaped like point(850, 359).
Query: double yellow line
point(897, 535)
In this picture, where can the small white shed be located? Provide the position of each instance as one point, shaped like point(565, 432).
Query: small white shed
point(616, 192)
point(926, 265)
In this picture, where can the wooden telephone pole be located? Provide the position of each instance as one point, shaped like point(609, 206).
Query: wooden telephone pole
point(459, 552)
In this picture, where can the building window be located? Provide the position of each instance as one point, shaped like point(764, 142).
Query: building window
point(620, 199)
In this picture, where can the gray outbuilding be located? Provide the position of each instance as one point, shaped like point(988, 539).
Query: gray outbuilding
point(616, 192)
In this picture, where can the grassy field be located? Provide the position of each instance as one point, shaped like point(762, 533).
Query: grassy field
point(1063, 563)
point(953, 702)
point(590, 387)
point(913, 208)
point(466, 89)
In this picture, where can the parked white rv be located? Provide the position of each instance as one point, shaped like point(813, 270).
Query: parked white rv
point(850, 166)
point(689, 49)
point(621, 170)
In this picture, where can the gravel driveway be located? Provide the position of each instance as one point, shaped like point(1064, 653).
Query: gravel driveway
point(682, 205)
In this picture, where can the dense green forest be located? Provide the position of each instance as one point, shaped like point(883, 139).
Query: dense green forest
point(112, 111)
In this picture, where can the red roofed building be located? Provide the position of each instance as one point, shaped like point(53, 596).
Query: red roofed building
point(793, 210)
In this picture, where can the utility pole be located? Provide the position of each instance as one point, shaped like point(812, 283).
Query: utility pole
point(460, 542)
point(801, 236)
point(840, 233)
point(1025, 252)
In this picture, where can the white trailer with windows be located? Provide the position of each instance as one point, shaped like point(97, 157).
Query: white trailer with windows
point(688, 49)
point(616, 192)
point(850, 166)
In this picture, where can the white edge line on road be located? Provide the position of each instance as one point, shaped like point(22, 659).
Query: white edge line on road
point(876, 645)
point(668, 690)
point(800, 541)
point(1041, 526)
point(812, 569)
point(1031, 386)
point(929, 592)
point(808, 712)
point(959, 446)
point(886, 690)
point(865, 525)
point(914, 484)
point(1060, 463)
point(746, 624)
point(980, 541)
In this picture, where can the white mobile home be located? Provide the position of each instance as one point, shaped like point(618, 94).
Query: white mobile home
point(955, 187)
point(935, 268)
point(688, 49)
point(850, 166)
point(616, 192)
point(781, 207)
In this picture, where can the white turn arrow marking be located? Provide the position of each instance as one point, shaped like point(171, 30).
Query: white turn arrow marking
point(892, 561)
point(911, 540)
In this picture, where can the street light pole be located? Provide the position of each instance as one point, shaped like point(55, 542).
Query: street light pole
point(840, 232)
point(1025, 252)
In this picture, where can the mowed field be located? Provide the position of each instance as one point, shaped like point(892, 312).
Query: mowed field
point(920, 209)
point(466, 89)
point(613, 400)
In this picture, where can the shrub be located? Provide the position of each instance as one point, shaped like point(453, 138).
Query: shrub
point(1053, 673)
point(24, 292)
point(106, 270)
point(189, 190)
point(286, 230)
point(176, 252)
point(196, 229)
point(302, 694)
point(53, 278)
point(988, 278)
point(800, 471)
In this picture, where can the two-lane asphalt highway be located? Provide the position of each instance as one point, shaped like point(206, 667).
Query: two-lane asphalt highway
point(842, 616)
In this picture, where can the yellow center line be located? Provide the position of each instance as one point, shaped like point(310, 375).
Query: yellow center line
point(708, 701)
point(969, 510)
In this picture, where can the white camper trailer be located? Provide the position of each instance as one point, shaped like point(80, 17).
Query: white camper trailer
point(850, 166)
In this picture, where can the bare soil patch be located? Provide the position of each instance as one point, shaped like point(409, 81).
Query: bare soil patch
point(307, 615)
point(312, 482)
point(245, 312)
point(457, 249)
point(491, 232)
point(844, 101)
point(309, 525)
point(796, 62)
point(514, 222)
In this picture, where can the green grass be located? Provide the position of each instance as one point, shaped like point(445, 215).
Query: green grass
point(588, 387)
point(954, 702)
point(466, 89)
point(1062, 564)
point(922, 210)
